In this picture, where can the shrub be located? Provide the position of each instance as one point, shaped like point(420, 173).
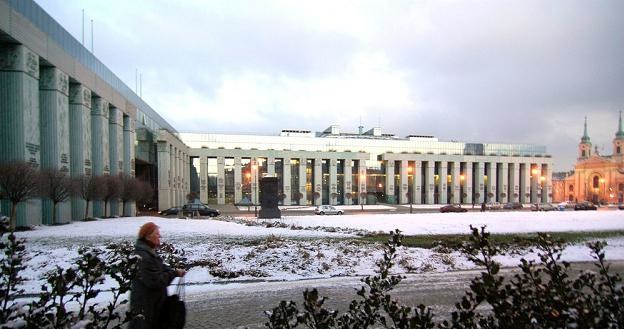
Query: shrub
point(540, 296)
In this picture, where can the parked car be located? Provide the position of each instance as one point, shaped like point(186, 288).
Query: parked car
point(453, 208)
point(493, 206)
point(513, 205)
point(543, 207)
point(190, 209)
point(585, 205)
point(170, 211)
point(621, 206)
point(327, 210)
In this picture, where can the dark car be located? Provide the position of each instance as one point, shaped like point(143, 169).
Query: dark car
point(512, 205)
point(170, 211)
point(621, 206)
point(453, 208)
point(191, 209)
point(585, 206)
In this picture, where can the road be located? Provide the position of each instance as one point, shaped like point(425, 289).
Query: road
point(243, 305)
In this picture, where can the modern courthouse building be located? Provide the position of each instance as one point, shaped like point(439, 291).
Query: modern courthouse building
point(61, 108)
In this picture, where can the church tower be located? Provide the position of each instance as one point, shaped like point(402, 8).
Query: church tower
point(585, 144)
point(618, 141)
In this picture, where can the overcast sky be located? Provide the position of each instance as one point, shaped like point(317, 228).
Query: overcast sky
point(475, 71)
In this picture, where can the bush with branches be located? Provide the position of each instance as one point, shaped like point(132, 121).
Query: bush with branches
point(68, 299)
point(18, 183)
point(112, 191)
point(54, 185)
point(540, 296)
point(89, 188)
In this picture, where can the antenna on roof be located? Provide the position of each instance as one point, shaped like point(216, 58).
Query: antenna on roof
point(83, 27)
point(92, 36)
point(141, 85)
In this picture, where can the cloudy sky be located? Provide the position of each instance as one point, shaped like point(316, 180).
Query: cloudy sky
point(476, 71)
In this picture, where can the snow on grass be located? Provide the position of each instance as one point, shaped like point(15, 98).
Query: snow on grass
point(260, 253)
point(458, 223)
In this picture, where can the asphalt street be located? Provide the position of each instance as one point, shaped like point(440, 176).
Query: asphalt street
point(243, 305)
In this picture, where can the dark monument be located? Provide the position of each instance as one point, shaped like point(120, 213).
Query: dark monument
point(269, 198)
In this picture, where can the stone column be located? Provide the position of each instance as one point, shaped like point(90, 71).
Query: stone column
point(389, 188)
point(403, 197)
point(115, 136)
point(417, 187)
point(286, 177)
point(54, 118)
point(534, 182)
point(546, 184)
point(203, 179)
point(525, 182)
point(333, 181)
point(514, 182)
point(271, 166)
point(443, 181)
point(79, 140)
point(492, 183)
point(19, 119)
point(302, 181)
point(504, 181)
point(480, 172)
point(164, 175)
point(172, 176)
point(455, 182)
point(128, 159)
point(100, 164)
point(468, 183)
point(318, 181)
point(238, 180)
point(348, 181)
point(429, 188)
point(362, 187)
point(220, 180)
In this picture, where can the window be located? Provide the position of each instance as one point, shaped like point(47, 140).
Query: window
point(618, 150)
point(571, 188)
point(596, 182)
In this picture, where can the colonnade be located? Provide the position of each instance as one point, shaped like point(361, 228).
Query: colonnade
point(52, 120)
point(408, 178)
point(173, 170)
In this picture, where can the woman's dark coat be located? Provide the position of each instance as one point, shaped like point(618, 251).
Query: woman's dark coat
point(149, 288)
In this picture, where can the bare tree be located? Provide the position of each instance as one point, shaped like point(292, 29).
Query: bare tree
point(146, 193)
point(130, 190)
point(89, 188)
point(18, 183)
point(113, 190)
point(55, 186)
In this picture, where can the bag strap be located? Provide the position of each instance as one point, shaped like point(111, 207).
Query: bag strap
point(180, 291)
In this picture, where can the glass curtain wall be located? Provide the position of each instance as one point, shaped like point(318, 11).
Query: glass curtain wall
point(410, 181)
point(355, 181)
point(212, 180)
point(340, 179)
point(397, 183)
point(375, 181)
point(229, 180)
point(294, 181)
point(246, 180)
point(309, 180)
point(325, 181)
point(279, 173)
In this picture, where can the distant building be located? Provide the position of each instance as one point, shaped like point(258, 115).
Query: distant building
point(335, 167)
point(596, 178)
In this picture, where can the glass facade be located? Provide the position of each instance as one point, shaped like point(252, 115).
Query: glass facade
point(294, 181)
point(212, 180)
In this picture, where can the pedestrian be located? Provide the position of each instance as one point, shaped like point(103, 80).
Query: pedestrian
point(483, 207)
point(149, 287)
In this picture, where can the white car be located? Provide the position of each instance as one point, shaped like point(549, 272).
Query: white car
point(327, 210)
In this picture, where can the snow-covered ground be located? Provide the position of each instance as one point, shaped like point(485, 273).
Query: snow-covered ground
point(260, 253)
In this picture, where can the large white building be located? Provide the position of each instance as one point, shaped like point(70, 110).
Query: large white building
point(62, 108)
point(333, 167)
